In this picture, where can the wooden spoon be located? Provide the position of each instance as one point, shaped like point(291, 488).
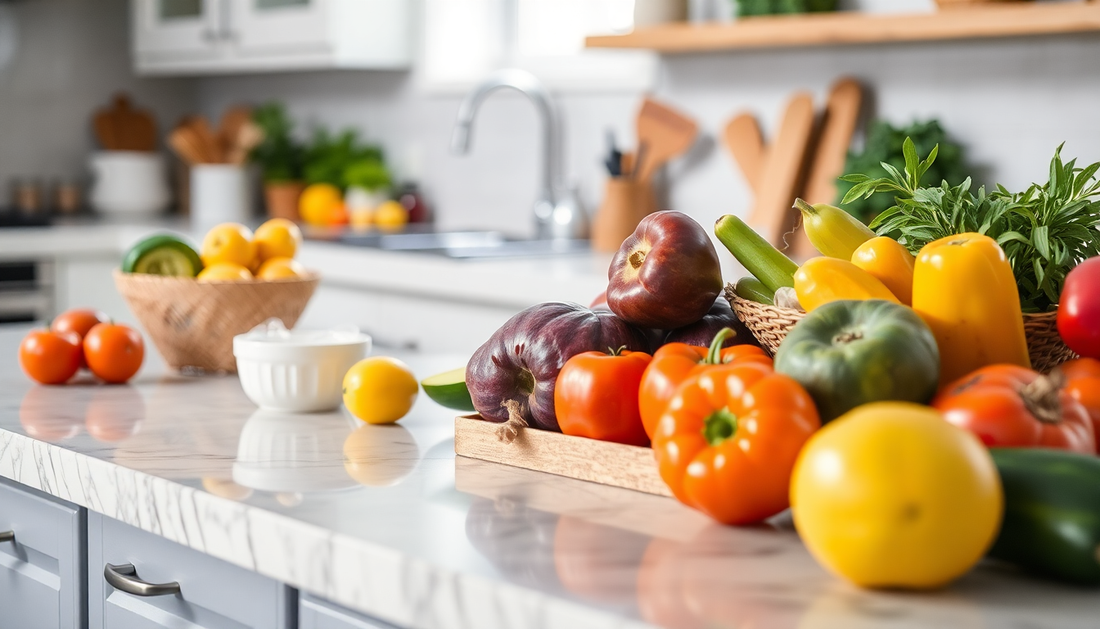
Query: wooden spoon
point(665, 132)
point(746, 143)
point(783, 170)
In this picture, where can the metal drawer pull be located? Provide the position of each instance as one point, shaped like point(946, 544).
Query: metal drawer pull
point(7, 536)
point(122, 578)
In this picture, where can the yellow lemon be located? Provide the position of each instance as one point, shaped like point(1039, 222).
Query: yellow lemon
point(228, 242)
point(225, 272)
point(380, 390)
point(320, 204)
point(390, 215)
point(277, 238)
point(280, 268)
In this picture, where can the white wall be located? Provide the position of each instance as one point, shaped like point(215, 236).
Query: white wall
point(72, 56)
point(1010, 101)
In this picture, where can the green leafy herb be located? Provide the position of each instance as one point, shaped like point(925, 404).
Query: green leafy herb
point(279, 155)
point(1045, 230)
point(342, 161)
point(883, 144)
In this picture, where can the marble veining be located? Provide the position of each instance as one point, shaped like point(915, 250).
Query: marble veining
point(385, 520)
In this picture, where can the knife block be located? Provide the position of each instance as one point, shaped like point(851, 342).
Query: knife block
point(625, 203)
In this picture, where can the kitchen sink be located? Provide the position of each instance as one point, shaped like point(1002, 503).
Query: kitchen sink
point(464, 244)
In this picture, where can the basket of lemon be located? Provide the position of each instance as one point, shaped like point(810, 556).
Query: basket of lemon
point(192, 303)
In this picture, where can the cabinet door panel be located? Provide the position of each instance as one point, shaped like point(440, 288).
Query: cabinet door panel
point(42, 569)
point(213, 594)
point(182, 28)
point(280, 26)
point(316, 613)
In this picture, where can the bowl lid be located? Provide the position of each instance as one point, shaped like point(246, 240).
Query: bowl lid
point(273, 333)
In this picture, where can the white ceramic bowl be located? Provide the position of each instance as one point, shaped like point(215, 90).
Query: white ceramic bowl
point(296, 371)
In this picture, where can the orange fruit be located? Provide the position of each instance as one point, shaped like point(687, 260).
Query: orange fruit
point(280, 268)
point(277, 238)
point(391, 216)
point(322, 204)
point(228, 243)
point(225, 272)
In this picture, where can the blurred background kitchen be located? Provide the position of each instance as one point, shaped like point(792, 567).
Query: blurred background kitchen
point(1005, 89)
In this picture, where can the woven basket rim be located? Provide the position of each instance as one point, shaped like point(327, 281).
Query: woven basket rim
point(119, 274)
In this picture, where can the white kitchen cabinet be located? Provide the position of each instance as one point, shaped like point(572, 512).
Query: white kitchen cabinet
point(222, 36)
point(317, 613)
point(41, 560)
point(405, 321)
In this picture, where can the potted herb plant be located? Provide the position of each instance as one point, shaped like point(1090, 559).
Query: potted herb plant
point(280, 159)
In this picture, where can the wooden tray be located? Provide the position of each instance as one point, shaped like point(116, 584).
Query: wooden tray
point(614, 464)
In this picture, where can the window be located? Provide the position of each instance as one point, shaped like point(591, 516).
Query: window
point(466, 39)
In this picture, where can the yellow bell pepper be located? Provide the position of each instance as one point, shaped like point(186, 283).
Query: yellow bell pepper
point(964, 290)
point(831, 230)
point(890, 263)
point(821, 280)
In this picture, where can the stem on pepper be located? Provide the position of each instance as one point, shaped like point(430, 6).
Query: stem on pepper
point(714, 354)
point(719, 426)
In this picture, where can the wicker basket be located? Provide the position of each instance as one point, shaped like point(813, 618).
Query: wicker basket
point(770, 324)
point(952, 4)
point(193, 323)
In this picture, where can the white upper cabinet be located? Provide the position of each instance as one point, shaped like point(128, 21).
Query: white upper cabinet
point(223, 36)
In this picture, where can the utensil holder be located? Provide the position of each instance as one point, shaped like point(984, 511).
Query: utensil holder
point(625, 203)
point(220, 193)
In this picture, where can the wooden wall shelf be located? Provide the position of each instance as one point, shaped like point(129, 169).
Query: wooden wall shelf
point(824, 29)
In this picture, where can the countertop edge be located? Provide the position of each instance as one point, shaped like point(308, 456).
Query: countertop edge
point(365, 577)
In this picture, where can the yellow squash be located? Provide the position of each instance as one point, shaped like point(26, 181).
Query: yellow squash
point(831, 230)
point(821, 280)
point(964, 290)
point(890, 263)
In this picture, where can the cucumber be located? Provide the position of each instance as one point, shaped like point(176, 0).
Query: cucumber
point(163, 254)
point(754, 253)
point(448, 389)
point(1052, 513)
point(750, 288)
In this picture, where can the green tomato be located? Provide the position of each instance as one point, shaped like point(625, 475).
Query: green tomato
point(849, 353)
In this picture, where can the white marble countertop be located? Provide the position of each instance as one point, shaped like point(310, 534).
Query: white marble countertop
point(509, 282)
point(387, 521)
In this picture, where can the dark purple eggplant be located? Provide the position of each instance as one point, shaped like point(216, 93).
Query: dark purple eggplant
point(521, 361)
point(702, 332)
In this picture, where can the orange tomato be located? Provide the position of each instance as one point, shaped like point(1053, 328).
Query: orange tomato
point(50, 357)
point(1010, 406)
point(114, 352)
point(1083, 383)
point(675, 362)
point(78, 320)
point(729, 439)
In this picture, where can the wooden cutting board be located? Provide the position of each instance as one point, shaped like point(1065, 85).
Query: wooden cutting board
point(745, 141)
point(121, 127)
point(783, 171)
point(665, 132)
point(838, 125)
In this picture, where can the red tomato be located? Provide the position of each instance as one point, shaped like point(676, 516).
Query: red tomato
point(79, 321)
point(1008, 405)
point(50, 357)
point(1079, 309)
point(596, 396)
point(114, 351)
point(1083, 383)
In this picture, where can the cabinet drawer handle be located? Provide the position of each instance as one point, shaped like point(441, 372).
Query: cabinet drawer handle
point(7, 536)
point(123, 577)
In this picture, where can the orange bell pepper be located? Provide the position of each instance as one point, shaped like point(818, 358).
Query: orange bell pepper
point(890, 263)
point(675, 362)
point(728, 441)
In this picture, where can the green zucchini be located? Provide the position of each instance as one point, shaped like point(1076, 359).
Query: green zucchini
point(1052, 513)
point(750, 288)
point(754, 253)
point(449, 389)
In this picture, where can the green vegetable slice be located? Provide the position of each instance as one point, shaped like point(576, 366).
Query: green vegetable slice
point(163, 254)
point(448, 389)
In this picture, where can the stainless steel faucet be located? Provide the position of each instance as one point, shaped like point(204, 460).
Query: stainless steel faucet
point(558, 213)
